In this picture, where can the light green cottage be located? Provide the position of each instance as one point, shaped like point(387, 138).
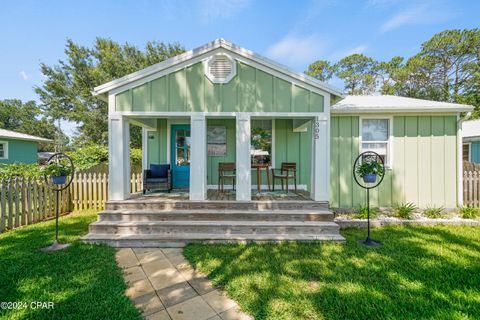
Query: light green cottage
point(16, 147)
point(221, 103)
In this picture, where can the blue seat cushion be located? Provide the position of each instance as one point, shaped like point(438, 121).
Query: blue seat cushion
point(157, 180)
point(159, 170)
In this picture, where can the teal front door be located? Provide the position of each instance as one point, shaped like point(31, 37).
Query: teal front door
point(180, 156)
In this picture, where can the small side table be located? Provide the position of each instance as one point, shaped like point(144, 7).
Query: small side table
point(260, 166)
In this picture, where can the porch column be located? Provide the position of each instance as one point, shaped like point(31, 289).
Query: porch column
point(118, 158)
point(198, 157)
point(243, 161)
point(144, 149)
point(321, 158)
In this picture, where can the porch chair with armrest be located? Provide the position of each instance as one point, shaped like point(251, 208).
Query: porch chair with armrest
point(158, 177)
point(287, 171)
point(226, 170)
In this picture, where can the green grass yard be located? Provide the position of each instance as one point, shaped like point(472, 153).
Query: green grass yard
point(419, 273)
point(82, 281)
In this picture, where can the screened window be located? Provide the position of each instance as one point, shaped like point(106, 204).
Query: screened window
point(3, 150)
point(261, 141)
point(376, 137)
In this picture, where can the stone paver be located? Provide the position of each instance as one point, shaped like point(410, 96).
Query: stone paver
point(165, 278)
point(155, 267)
point(163, 285)
point(218, 301)
point(176, 294)
point(134, 274)
point(201, 284)
point(234, 314)
point(149, 303)
point(162, 315)
point(192, 309)
point(126, 258)
point(151, 255)
point(139, 288)
point(173, 252)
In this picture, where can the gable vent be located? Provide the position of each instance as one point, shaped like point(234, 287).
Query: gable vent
point(220, 68)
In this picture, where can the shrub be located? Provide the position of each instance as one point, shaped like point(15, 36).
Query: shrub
point(94, 154)
point(467, 212)
point(404, 210)
point(8, 171)
point(369, 167)
point(433, 212)
point(56, 169)
point(89, 156)
point(362, 212)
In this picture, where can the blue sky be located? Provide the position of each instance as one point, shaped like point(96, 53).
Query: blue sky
point(294, 33)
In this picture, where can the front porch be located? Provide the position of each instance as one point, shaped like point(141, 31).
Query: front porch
point(195, 148)
point(226, 195)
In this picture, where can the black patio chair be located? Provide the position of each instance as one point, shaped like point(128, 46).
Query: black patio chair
point(158, 177)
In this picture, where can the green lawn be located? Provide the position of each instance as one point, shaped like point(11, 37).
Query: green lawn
point(83, 281)
point(419, 273)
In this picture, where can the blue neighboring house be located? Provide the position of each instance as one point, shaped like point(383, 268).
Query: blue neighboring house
point(16, 147)
point(471, 141)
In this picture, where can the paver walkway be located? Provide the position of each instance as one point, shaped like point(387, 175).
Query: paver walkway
point(164, 286)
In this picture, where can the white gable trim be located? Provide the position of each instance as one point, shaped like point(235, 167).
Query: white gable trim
point(196, 55)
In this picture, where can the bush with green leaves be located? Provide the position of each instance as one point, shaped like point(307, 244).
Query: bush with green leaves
point(467, 212)
point(369, 167)
point(433, 212)
point(94, 154)
point(56, 169)
point(89, 156)
point(404, 210)
point(9, 171)
point(362, 212)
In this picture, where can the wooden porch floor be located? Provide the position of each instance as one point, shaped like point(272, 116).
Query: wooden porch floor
point(229, 195)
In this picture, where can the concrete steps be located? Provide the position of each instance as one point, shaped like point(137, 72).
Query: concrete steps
point(213, 227)
point(209, 215)
point(180, 240)
point(167, 223)
point(159, 204)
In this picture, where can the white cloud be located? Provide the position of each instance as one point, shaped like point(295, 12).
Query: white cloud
point(23, 75)
point(424, 13)
point(343, 53)
point(212, 10)
point(298, 50)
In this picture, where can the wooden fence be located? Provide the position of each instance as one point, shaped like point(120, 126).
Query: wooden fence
point(470, 166)
point(471, 188)
point(25, 201)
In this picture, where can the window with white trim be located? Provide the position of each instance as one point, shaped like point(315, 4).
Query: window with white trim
point(3, 150)
point(375, 135)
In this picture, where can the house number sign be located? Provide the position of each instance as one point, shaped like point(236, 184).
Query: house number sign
point(316, 129)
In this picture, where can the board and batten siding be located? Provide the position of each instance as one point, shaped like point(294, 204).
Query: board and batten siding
point(423, 169)
point(289, 147)
point(189, 90)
